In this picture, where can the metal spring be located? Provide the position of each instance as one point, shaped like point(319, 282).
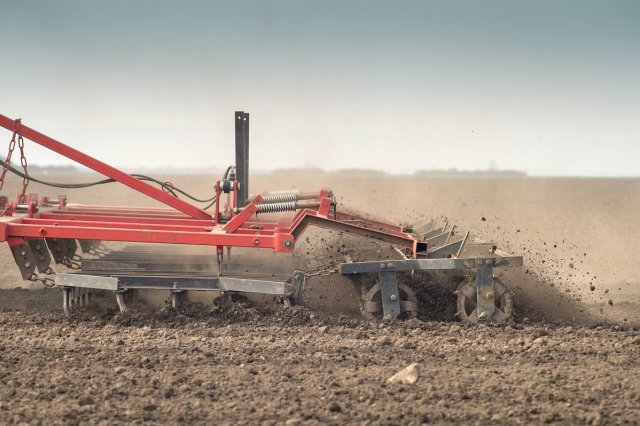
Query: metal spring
point(277, 207)
point(280, 198)
point(284, 191)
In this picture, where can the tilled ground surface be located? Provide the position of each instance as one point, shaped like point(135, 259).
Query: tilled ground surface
point(238, 363)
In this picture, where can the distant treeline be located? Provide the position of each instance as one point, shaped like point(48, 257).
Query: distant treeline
point(48, 169)
point(288, 171)
point(471, 173)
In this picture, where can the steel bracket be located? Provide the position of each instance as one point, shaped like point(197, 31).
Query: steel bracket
point(390, 295)
point(41, 255)
point(485, 289)
point(24, 259)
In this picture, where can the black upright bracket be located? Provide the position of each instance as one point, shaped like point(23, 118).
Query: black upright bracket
point(242, 156)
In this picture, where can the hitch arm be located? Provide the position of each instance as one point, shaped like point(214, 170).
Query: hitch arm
point(103, 168)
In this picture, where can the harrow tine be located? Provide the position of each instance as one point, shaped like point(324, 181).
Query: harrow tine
point(424, 226)
point(448, 250)
point(435, 232)
point(120, 300)
point(464, 241)
point(438, 240)
point(66, 299)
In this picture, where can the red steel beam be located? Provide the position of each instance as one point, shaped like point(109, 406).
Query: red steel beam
point(115, 225)
point(103, 168)
point(144, 236)
point(129, 218)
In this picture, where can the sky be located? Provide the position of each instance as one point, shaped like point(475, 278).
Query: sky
point(546, 87)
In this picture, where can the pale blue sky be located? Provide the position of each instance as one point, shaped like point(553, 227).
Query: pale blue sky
point(549, 87)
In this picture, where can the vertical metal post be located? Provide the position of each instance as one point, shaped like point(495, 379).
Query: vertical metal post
point(484, 287)
point(390, 295)
point(242, 156)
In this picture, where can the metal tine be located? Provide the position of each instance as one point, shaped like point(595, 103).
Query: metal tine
point(435, 232)
point(424, 226)
point(445, 251)
point(441, 239)
point(464, 241)
point(438, 240)
point(449, 249)
point(450, 234)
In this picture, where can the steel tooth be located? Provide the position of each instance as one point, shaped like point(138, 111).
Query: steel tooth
point(120, 300)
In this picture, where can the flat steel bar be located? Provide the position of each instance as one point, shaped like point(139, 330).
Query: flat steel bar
point(423, 264)
point(484, 289)
point(389, 294)
point(142, 236)
point(86, 281)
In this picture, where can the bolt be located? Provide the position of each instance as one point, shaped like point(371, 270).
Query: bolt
point(488, 295)
point(256, 242)
point(488, 261)
point(288, 243)
point(394, 297)
point(23, 253)
point(42, 258)
point(389, 265)
point(382, 266)
point(388, 317)
point(479, 262)
point(27, 264)
point(38, 247)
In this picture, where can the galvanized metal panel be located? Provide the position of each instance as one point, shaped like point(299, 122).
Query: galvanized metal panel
point(87, 281)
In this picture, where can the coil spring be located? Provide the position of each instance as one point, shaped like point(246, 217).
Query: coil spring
point(284, 191)
point(280, 198)
point(277, 207)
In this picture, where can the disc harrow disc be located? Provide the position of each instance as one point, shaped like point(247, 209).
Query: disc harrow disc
point(468, 298)
point(372, 302)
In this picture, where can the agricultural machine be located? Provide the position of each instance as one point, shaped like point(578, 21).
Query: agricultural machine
point(60, 244)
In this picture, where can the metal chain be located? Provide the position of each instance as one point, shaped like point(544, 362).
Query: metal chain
point(45, 281)
point(25, 179)
point(323, 271)
point(7, 161)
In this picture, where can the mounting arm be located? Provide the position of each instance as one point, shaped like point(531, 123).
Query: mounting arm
point(103, 168)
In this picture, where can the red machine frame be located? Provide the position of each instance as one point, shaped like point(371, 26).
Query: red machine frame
point(180, 222)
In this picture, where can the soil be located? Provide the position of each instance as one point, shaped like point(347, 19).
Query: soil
point(238, 363)
point(571, 355)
